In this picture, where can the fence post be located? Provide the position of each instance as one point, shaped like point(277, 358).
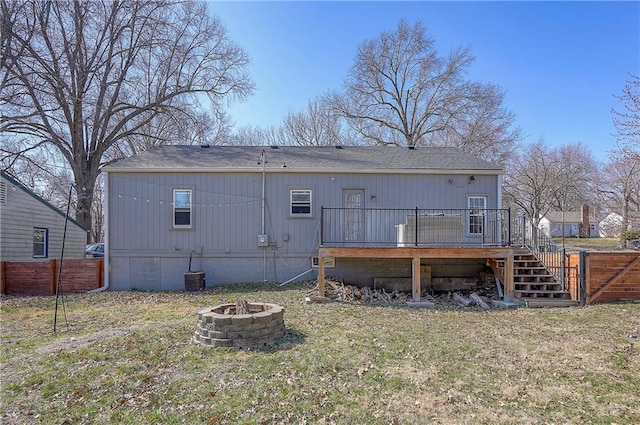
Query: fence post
point(583, 278)
point(3, 277)
point(416, 228)
point(563, 266)
point(99, 272)
point(52, 276)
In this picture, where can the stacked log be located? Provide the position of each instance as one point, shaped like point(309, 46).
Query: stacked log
point(338, 291)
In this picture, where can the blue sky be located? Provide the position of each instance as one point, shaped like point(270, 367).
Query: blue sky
point(560, 62)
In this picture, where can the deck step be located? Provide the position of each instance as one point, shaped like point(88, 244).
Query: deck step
point(542, 291)
point(532, 279)
point(549, 302)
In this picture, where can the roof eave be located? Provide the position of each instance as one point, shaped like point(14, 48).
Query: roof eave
point(426, 171)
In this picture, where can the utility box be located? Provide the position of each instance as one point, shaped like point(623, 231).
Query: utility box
point(263, 240)
point(194, 281)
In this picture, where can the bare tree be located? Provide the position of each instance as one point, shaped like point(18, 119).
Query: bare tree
point(627, 122)
point(542, 179)
point(83, 77)
point(199, 128)
point(485, 129)
point(318, 125)
point(574, 183)
point(619, 189)
point(530, 181)
point(400, 91)
point(250, 135)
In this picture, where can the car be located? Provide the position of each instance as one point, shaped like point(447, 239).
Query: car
point(635, 244)
point(94, 250)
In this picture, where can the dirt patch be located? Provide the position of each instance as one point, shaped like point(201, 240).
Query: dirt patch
point(65, 345)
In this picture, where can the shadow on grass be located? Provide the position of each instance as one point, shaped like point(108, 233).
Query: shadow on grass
point(253, 287)
point(291, 339)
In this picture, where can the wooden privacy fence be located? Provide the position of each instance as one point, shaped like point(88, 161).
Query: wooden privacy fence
point(41, 277)
point(611, 276)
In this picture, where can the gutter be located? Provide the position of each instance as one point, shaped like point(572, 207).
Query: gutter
point(106, 238)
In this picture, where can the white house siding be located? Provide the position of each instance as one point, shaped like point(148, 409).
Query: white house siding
point(146, 253)
point(20, 213)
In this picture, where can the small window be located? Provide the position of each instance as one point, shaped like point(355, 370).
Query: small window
point(329, 262)
point(40, 242)
point(182, 208)
point(301, 202)
point(477, 212)
point(3, 192)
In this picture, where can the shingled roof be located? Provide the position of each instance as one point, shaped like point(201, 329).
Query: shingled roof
point(356, 159)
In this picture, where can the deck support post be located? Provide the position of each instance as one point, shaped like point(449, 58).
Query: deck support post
point(508, 277)
point(415, 283)
point(321, 291)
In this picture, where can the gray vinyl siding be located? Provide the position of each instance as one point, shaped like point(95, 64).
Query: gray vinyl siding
point(145, 252)
point(20, 214)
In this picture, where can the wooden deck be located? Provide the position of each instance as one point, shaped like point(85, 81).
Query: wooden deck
point(416, 254)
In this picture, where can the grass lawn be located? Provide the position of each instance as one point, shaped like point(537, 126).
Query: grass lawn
point(589, 244)
point(128, 357)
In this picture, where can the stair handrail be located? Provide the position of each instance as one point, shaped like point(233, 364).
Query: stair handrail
point(527, 234)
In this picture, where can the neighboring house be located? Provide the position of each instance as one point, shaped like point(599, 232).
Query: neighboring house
point(32, 229)
point(254, 214)
point(574, 223)
point(611, 225)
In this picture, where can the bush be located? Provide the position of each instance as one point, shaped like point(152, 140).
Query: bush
point(630, 235)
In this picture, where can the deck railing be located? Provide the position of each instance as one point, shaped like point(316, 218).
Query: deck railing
point(526, 234)
point(414, 227)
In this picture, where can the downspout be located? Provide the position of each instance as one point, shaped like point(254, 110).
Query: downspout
point(264, 183)
point(106, 237)
point(264, 172)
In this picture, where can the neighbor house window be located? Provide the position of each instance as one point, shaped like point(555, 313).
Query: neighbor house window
point(40, 242)
point(301, 202)
point(182, 217)
point(3, 192)
point(477, 211)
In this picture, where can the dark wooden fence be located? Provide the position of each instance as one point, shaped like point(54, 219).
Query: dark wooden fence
point(41, 277)
point(611, 276)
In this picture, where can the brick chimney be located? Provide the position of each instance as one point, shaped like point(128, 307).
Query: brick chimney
point(584, 221)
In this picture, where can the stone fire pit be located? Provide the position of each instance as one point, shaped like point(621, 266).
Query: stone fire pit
point(220, 326)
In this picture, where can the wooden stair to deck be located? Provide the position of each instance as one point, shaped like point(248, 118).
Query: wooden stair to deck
point(532, 281)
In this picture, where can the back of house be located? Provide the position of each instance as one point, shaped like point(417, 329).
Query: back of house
point(258, 214)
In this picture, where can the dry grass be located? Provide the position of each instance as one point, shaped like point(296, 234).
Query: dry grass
point(588, 244)
point(127, 357)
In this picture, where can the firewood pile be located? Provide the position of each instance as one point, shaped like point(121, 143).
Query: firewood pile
point(459, 299)
point(338, 291)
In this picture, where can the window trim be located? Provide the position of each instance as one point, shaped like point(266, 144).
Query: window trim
point(329, 262)
point(481, 212)
point(44, 243)
point(173, 209)
point(291, 203)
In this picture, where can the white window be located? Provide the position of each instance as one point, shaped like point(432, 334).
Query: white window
point(300, 202)
point(477, 213)
point(40, 242)
point(182, 217)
